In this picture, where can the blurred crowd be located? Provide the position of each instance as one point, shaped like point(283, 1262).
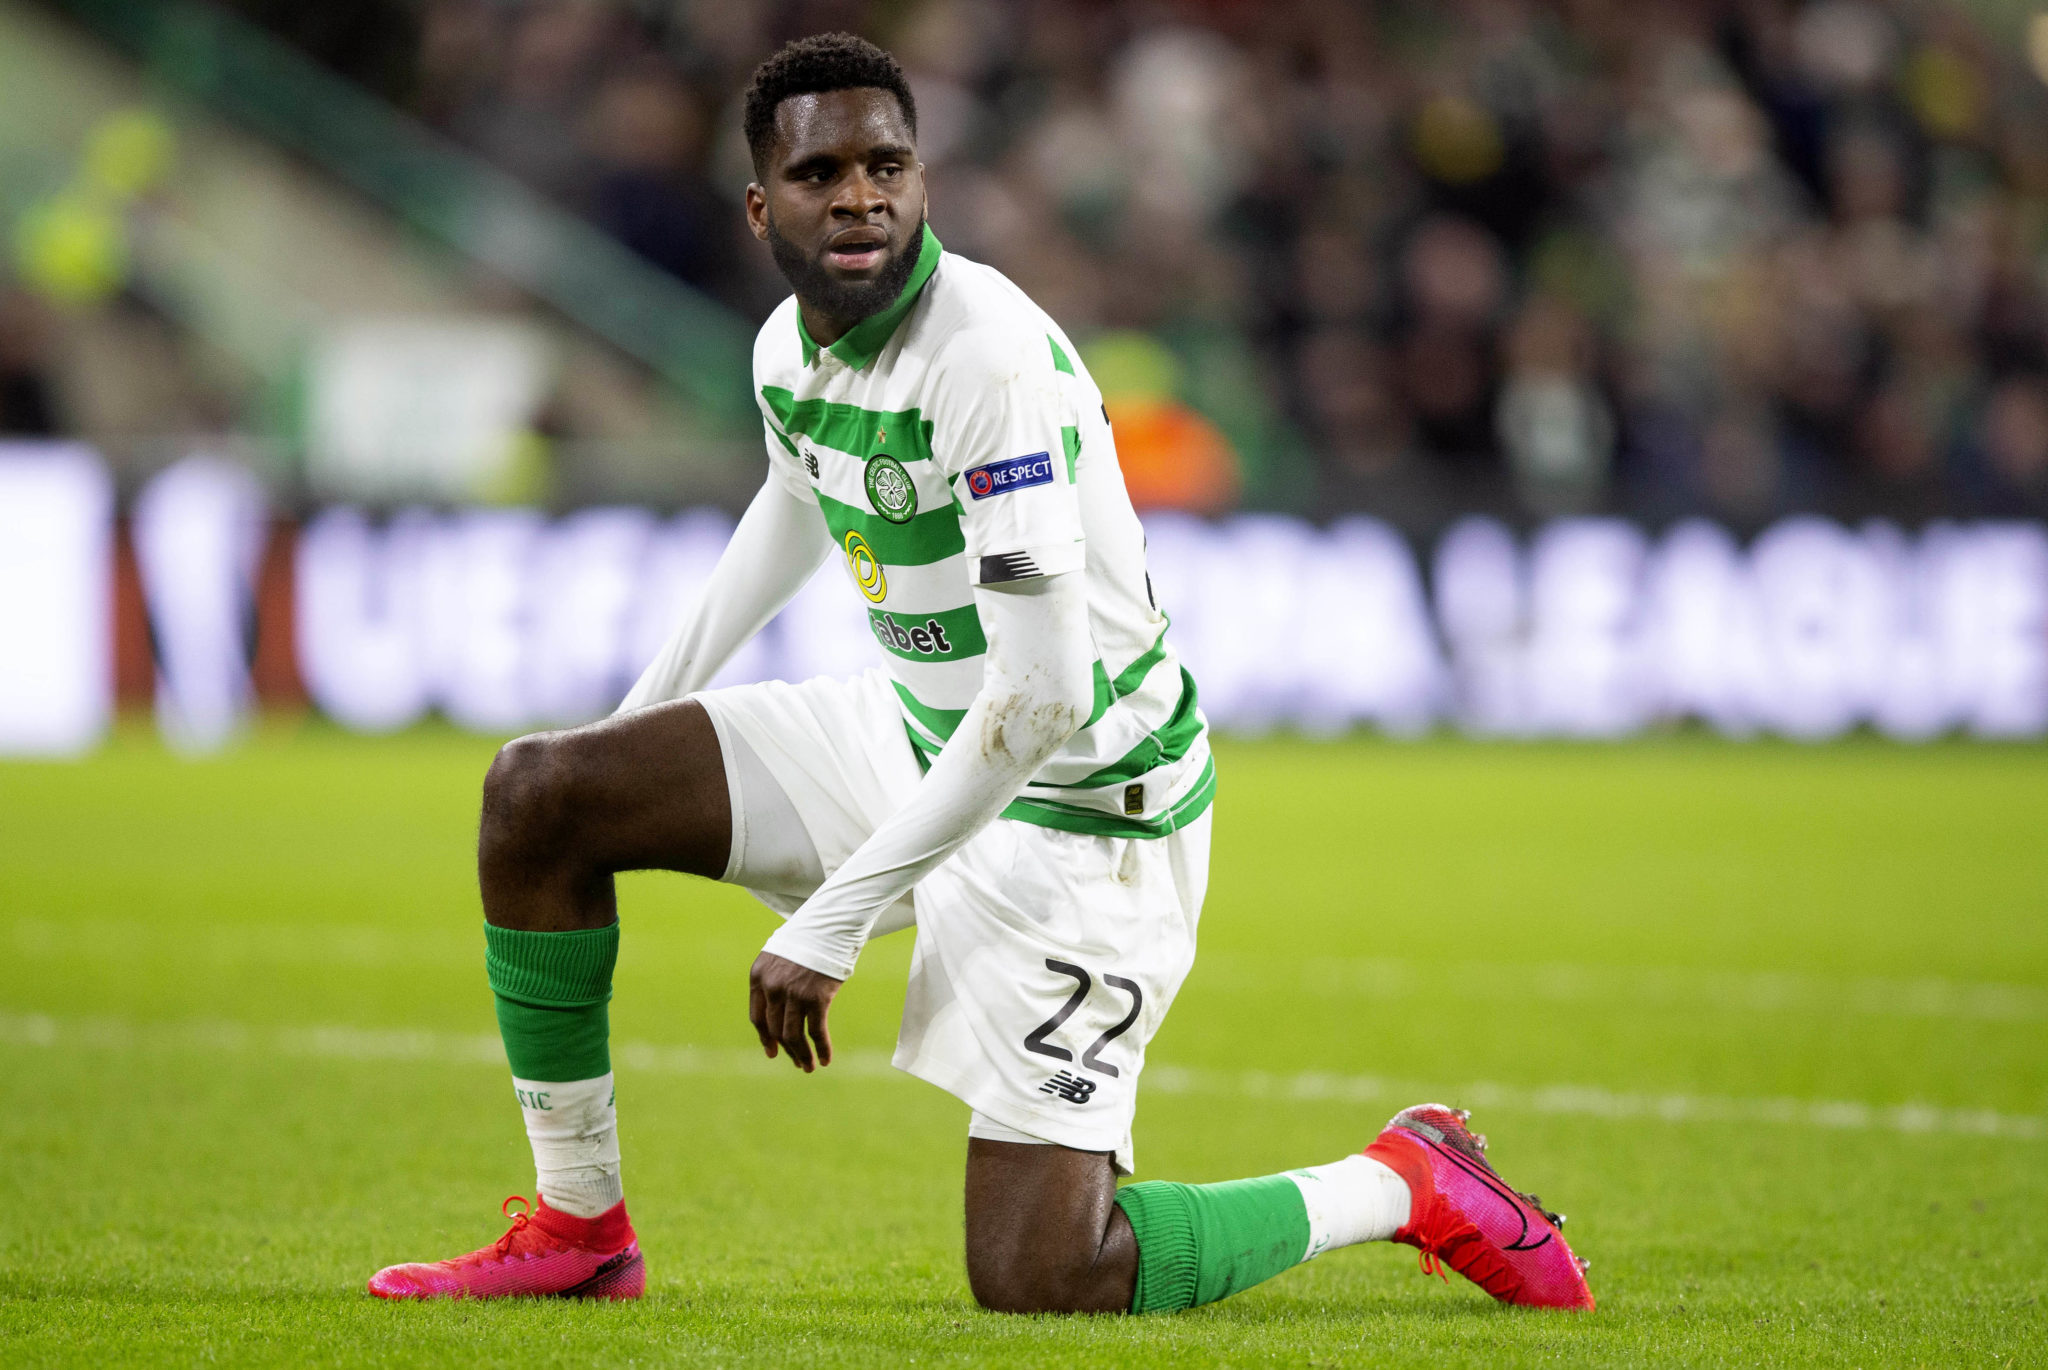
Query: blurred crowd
point(1734, 258)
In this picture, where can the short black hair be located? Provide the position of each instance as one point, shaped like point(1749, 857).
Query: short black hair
point(811, 66)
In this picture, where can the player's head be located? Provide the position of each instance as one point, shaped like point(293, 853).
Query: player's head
point(838, 192)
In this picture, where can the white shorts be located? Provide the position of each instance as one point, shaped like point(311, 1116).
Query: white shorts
point(1045, 960)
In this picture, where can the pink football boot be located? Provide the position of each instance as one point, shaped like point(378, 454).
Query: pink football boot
point(550, 1254)
point(1463, 1215)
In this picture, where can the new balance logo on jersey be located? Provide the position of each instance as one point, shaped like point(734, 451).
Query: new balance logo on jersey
point(929, 640)
point(811, 463)
point(1000, 477)
point(1075, 1089)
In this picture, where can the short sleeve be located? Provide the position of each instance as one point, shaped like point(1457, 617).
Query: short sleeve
point(1001, 439)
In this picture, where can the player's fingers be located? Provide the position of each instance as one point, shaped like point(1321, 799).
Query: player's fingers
point(757, 1014)
point(792, 1033)
point(815, 1021)
point(778, 1028)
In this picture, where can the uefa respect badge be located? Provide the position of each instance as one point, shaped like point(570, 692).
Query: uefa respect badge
point(890, 489)
point(1001, 477)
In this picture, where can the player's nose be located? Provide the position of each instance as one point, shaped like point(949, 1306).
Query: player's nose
point(859, 197)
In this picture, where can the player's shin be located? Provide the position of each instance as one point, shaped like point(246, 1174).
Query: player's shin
point(1200, 1243)
point(552, 989)
point(1354, 1200)
point(574, 1129)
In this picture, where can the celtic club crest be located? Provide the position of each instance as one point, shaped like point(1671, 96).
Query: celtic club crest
point(889, 488)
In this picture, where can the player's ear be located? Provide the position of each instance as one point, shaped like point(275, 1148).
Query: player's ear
point(757, 210)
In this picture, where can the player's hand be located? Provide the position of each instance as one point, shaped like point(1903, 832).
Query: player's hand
point(786, 1000)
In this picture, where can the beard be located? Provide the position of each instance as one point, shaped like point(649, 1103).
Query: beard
point(850, 301)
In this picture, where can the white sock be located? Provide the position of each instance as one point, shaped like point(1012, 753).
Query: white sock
point(574, 1129)
point(1349, 1201)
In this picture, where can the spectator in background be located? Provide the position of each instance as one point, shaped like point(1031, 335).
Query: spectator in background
point(1453, 292)
point(529, 118)
point(1552, 419)
point(1725, 259)
point(2010, 447)
point(1353, 413)
point(646, 135)
point(27, 407)
point(1172, 457)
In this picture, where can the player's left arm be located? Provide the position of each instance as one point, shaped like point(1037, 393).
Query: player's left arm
point(1036, 691)
point(1022, 526)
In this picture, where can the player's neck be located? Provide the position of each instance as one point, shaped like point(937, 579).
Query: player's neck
point(824, 328)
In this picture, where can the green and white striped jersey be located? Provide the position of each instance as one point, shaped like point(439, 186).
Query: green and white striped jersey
point(954, 440)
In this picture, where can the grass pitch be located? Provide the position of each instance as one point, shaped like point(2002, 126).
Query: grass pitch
point(1769, 1023)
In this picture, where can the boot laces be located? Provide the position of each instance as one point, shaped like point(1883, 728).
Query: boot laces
point(502, 1247)
point(1465, 1249)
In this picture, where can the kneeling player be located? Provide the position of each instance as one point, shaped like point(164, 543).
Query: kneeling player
point(1028, 780)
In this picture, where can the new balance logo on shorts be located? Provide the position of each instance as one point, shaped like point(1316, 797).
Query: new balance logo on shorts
point(1000, 477)
point(1075, 1089)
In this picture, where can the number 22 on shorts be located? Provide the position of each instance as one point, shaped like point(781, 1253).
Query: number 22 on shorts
point(1091, 1059)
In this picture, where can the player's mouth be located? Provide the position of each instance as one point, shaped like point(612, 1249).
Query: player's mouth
point(858, 250)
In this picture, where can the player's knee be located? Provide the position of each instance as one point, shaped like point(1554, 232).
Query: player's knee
point(529, 801)
point(1020, 1281)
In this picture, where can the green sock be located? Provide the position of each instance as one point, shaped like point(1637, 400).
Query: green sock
point(552, 988)
point(1201, 1243)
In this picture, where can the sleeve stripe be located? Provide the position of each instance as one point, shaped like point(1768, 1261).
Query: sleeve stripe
point(1008, 566)
point(1050, 559)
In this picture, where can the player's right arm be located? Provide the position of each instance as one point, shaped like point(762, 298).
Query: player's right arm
point(779, 545)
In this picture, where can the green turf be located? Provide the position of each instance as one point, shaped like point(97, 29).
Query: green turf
point(189, 1174)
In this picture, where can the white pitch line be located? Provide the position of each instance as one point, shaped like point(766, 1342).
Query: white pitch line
point(1667, 989)
point(366, 1044)
point(1595, 1102)
point(1684, 989)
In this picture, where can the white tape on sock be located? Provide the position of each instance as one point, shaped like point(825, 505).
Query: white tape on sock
point(1349, 1201)
point(574, 1128)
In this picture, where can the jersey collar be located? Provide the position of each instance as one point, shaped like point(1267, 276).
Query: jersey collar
point(863, 342)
